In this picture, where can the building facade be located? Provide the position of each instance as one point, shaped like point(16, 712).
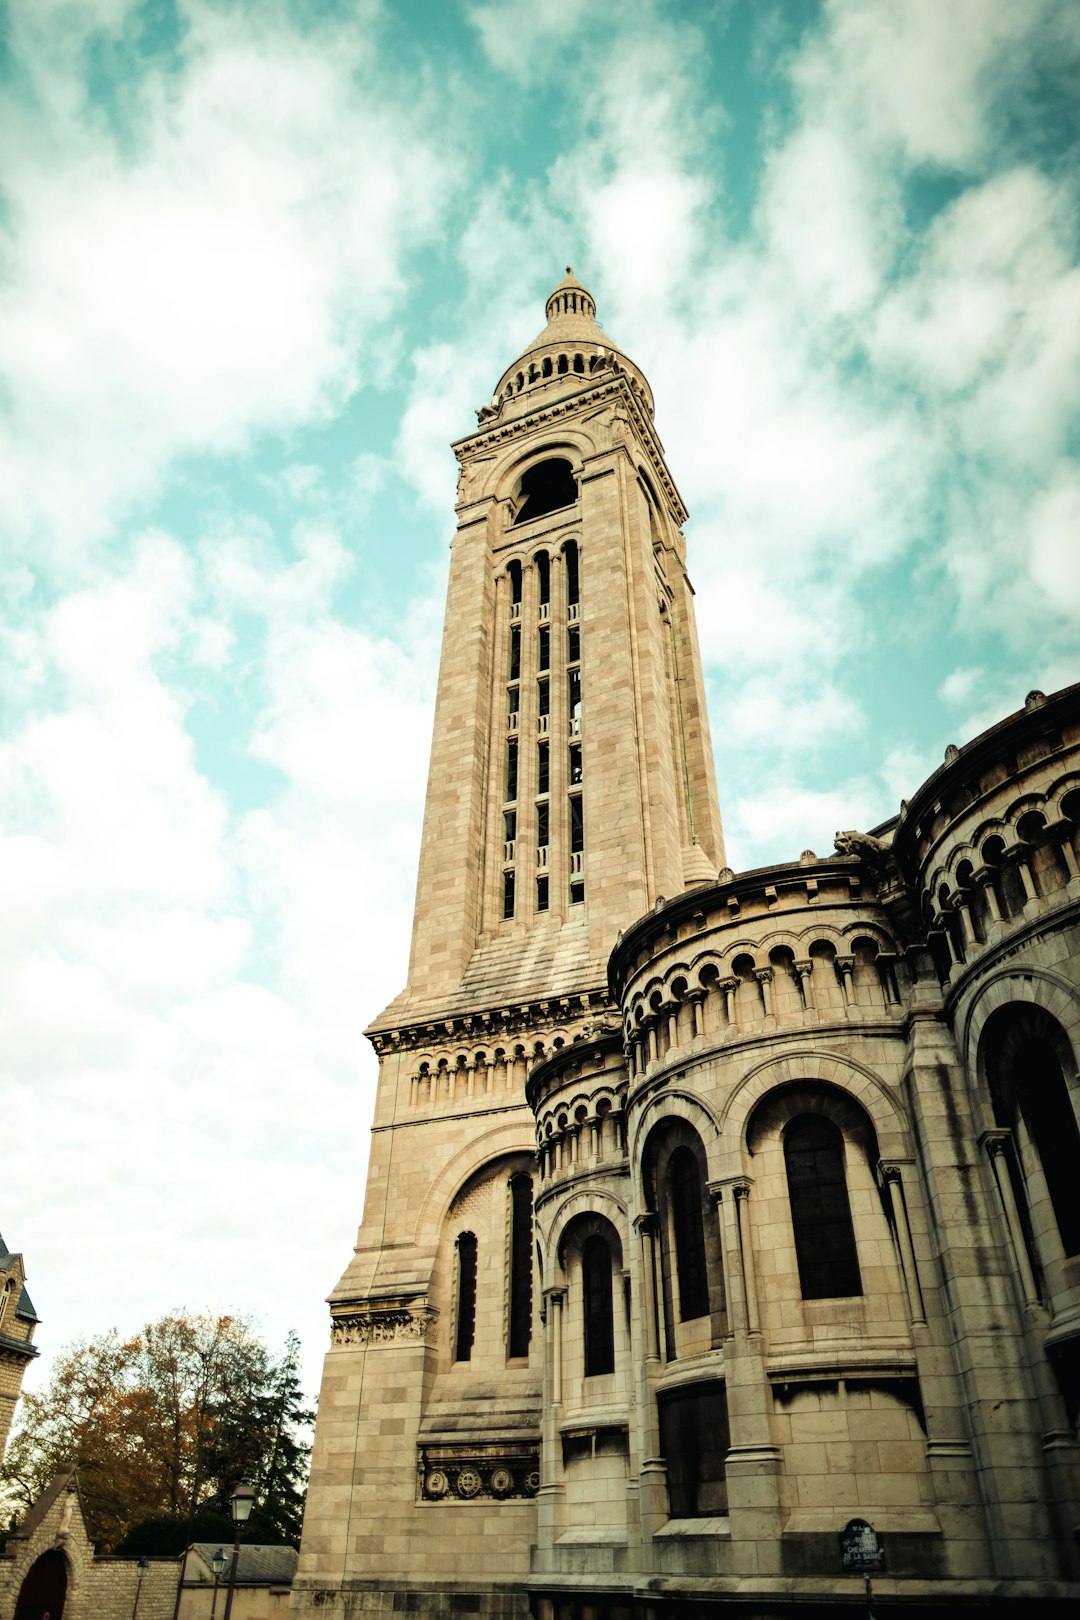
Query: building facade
point(707, 1214)
point(18, 1320)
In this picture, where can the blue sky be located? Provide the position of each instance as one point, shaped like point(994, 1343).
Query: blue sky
point(261, 261)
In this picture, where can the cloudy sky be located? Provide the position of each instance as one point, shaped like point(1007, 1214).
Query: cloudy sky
point(261, 259)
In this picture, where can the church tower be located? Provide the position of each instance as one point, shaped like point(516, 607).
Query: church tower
point(571, 787)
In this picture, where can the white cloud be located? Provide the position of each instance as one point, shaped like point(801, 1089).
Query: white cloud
point(227, 279)
point(520, 40)
point(923, 76)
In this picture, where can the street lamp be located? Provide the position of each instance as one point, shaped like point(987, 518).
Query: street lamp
point(241, 1503)
point(217, 1564)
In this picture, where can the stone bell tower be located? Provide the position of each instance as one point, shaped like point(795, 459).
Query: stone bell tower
point(571, 786)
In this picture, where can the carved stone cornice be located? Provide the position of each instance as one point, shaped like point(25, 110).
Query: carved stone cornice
point(492, 1023)
point(614, 386)
point(383, 1324)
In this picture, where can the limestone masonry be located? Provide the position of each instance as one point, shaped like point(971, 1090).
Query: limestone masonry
point(706, 1212)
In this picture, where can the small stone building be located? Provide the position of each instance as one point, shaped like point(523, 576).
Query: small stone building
point(48, 1567)
point(261, 1590)
point(17, 1323)
point(709, 1214)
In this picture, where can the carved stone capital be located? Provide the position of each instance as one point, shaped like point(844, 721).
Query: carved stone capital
point(994, 1142)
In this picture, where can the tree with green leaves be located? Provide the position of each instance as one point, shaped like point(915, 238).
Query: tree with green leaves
point(162, 1426)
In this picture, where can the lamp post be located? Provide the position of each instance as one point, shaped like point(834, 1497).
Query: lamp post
point(217, 1564)
point(241, 1503)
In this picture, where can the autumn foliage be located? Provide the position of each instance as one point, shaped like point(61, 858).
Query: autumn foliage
point(161, 1427)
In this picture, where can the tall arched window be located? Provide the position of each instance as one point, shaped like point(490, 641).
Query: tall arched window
point(820, 1210)
point(690, 1282)
point(684, 1190)
point(599, 1316)
point(520, 1280)
point(466, 1297)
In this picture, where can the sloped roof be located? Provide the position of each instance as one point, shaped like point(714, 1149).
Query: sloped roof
point(256, 1566)
point(25, 1307)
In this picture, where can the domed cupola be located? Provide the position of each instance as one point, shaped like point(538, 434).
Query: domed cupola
point(570, 298)
point(569, 354)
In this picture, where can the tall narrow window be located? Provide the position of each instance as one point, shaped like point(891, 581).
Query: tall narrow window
point(466, 1297)
point(574, 696)
point(543, 768)
point(508, 894)
point(543, 660)
point(684, 1181)
point(520, 1266)
point(542, 892)
point(513, 703)
point(543, 696)
point(571, 555)
point(573, 644)
point(575, 764)
point(820, 1211)
point(577, 825)
point(599, 1316)
point(543, 818)
point(543, 570)
point(514, 570)
point(515, 653)
point(511, 768)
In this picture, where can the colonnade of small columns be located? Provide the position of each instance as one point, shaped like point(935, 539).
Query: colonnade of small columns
point(719, 1004)
point(580, 1135)
point(967, 903)
point(448, 1081)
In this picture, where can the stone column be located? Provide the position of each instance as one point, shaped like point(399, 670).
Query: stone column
point(892, 1181)
point(550, 1498)
point(995, 1146)
point(805, 972)
point(754, 1462)
point(653, 1475)
point(985, 876)
point(845, 969)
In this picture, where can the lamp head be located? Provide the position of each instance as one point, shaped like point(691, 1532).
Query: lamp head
point(242, 1501)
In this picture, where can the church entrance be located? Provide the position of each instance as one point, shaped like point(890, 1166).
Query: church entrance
point(42, 1594)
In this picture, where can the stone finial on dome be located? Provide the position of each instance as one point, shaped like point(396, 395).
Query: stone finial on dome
point(570, 298)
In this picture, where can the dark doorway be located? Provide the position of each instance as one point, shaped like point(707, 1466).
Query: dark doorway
point(44, 1589)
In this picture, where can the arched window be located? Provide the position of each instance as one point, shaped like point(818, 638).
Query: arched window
point(520, 1279)
point(1048, 1114)
point(545, 488)
point(690, 1283)
point(684, 1191)
point(820, 1210)
point(599, 1316)
point(466, 1297)
point(1029, 1067)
